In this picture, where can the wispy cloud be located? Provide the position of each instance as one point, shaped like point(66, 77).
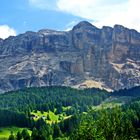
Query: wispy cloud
point(6, 31)
point(44, 4)
point(104, 12)
point(70, 25)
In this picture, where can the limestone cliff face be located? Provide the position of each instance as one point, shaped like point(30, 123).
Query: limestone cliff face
point(108, 56)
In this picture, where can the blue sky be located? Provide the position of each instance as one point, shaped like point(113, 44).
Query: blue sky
point(18, 16)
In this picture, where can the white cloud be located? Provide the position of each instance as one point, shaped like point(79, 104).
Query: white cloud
point(101, 12)
point(105, 12)
point(6, 31)
point(90, 9)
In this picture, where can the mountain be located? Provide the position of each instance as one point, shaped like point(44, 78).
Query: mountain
point(86, 56)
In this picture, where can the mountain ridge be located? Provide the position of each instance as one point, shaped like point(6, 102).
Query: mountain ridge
point(108, 57)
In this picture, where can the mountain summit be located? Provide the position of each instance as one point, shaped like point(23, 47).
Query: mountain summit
point(86, 56)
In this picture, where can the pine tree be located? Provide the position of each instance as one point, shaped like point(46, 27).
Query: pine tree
point(57, 131)
point(43, 134)
point(11, 137)
point(19, 136)
point(48, 117)
point(25, 134)
point(35, 135)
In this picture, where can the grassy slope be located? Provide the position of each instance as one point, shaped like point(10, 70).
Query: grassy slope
point(53, 117)
point(113, 102)
point(5, 132)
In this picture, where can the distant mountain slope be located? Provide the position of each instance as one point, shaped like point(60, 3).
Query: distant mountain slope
point(108, 57)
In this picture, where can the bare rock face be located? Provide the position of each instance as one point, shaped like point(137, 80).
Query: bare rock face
point(109, 57)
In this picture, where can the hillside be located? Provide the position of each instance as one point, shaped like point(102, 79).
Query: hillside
point(66, 113)
point(51, 98)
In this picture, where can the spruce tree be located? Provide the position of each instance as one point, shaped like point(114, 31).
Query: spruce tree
point(19, 136)
point(11, 137)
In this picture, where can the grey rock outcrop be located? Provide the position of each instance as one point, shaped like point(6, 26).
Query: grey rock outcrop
point(109, 56)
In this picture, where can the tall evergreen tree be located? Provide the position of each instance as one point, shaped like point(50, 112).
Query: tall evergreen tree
point(25, 134)
point(19, 136)
point(35, 134)
point(56, 131)
point(11, 137)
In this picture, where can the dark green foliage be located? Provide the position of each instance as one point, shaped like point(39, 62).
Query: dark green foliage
point(108, 125)
point(49, 98)
point(8, 118)
point(43, 134)
point(25, 134)
point(11, 137)
point(18, 105)
point(48, 117)
point(88, 131)
point(40, 123)
point(59, 109)
point(119, 123)
point(35, 134)
point(135, 92)
point(19, 136)
point(69, 125)
point(57, 131)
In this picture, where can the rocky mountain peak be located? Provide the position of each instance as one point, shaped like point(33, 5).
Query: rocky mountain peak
point(119, 27)
point(83, 25)
point(86, 56)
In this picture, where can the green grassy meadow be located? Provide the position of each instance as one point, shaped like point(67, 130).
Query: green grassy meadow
point(113, 102)
point(50, 117)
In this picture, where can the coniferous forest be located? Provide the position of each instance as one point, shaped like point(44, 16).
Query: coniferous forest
point(62, 113)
